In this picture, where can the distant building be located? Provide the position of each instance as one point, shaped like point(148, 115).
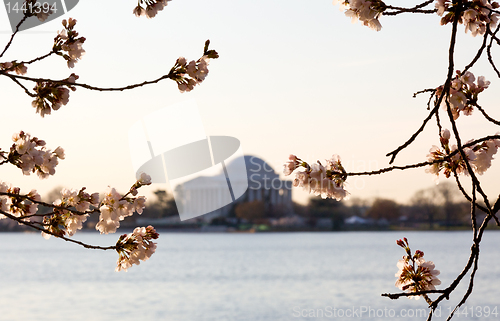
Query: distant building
point(263, 185)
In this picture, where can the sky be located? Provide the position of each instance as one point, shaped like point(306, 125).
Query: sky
point(293, 77)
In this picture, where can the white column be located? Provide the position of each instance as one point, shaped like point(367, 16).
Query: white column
point(273, 196)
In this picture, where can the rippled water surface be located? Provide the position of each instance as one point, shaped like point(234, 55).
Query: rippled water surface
point(263, 276)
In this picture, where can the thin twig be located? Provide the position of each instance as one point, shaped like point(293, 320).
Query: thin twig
point(494, 121)
point(38, 58)
point(415, 9)
point(13, 35)
point(395, 152)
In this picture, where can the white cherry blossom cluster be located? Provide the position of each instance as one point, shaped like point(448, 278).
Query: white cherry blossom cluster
point(30, 155)
point(149, 8)
point(484, 155)
point(478, 155)
point(52, 95)
point(475, 17)
point(17, 206)
point(67, 44)
point(187, 75)
point(463, 93)
point(135, 247)
point(196, 72)
point(327, 181)
point(18, 67)
point(368, 12)
point(115, 207)
point(449, 164)
point(65, 221)
point(74, 207)
point(415, 274)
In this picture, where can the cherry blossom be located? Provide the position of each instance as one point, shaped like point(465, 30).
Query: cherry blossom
point(30, 155)
point(114, 208)
point(139, 11)
point(144, 179)
point(196, 71)
point(415, 274)
point(139, 204)
point(21, 207)
point(149, 8)
point(59, 151)
point(463, 93)
point(6, 66)
point(66, 221)
point(290, 165)
point(108, 220)
point(477, 14)
point(19, 68)
point(419, 276)
point(67, 41)
point(52, 95)
point(484, 155)
point(135, 247)
point(326, 181)
point(74, 223)
point(479, 156)
point(42, 16)
point(4, 201)
point(368, 12)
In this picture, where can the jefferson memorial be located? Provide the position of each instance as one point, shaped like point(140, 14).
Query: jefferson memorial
point(262, 181)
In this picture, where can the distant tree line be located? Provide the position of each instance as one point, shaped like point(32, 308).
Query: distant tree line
point(437, 207)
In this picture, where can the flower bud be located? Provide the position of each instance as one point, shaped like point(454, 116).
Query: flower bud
point(418, 254)
point(71, 23)
point(445, 133)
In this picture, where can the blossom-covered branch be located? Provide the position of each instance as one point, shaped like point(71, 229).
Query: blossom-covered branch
point(31, 156)
point(477, 15)
point(72, 210)
point(326, 181)
point(28, 153)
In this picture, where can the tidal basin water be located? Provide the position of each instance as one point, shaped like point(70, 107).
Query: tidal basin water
point(262, 276)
